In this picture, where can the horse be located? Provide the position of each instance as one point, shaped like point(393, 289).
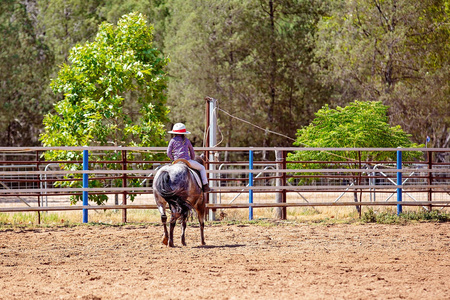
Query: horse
point(176, 186)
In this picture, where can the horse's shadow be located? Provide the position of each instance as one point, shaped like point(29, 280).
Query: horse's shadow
point(221, 246)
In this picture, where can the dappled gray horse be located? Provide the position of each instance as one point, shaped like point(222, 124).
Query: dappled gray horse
point(176, 186)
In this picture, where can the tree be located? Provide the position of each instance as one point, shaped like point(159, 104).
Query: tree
point(203, 42)
point(394, 52)
point(253, 56)
point(114, 93)
point(68, 22)
point(156, 12)
point(279, 65)
point(25, 63)
point(361, 124)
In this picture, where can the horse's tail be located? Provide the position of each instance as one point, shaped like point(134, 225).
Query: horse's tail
point(163, 185)
point(178, 205)
point(173, 196)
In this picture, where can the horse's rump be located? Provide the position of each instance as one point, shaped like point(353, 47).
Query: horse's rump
point(174, 193)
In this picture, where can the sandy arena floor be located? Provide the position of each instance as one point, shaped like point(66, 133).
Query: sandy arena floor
point(294, 261)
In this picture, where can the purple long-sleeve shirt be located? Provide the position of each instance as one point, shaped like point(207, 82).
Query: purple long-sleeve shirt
point(180, 147)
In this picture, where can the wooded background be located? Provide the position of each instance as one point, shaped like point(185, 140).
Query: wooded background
point(273, 63)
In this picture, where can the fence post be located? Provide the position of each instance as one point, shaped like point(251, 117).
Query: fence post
point(250, 184)
point(430, 178)
point(39, 185)
point(359, 208)
point(284, 183)
point(85, 184)
point(208, 214)
point(212, 126)
point(124, 185)
point(279, 195)
point(399, 181)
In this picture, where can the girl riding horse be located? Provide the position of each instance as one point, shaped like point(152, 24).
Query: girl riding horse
point(181, 147)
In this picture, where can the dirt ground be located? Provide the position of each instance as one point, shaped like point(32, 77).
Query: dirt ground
point(275, 261)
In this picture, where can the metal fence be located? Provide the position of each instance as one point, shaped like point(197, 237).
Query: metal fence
point(29, 181)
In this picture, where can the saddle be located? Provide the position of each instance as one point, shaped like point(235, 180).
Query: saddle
point(194, 172)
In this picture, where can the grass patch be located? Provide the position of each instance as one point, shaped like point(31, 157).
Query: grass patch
point(390, 217)
point(434, 215)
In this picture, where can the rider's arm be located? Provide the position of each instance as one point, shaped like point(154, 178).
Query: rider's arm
point(191, 150)
point(169, 150)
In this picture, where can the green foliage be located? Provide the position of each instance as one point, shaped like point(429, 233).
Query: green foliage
point(391, 217)
point(425, 215)
point(105, 78)
point(25, 62)
point(393, 52)
point(156, 12)
point(361, 124)
point(358, 125)
point(273, 63)
point(68, 22)
point(97, 87)
point(371, 216)
point(253, 56)
point(114, 94)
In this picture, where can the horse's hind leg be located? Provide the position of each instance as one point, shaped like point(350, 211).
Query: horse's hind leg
point(166, 233)
point(173, 222)
point(183, 230)
point(202, 229)
point(162, 211)
point(201, 210)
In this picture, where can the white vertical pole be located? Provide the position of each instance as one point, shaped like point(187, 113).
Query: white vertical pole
point(212, 143)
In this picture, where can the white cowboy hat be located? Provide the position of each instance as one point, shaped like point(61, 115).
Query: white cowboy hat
point(179, 128)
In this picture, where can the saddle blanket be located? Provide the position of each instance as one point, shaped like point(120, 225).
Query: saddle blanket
point(197, 178)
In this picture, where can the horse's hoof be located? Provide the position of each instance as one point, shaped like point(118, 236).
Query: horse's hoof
point(171, 245)
point(165, 241)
